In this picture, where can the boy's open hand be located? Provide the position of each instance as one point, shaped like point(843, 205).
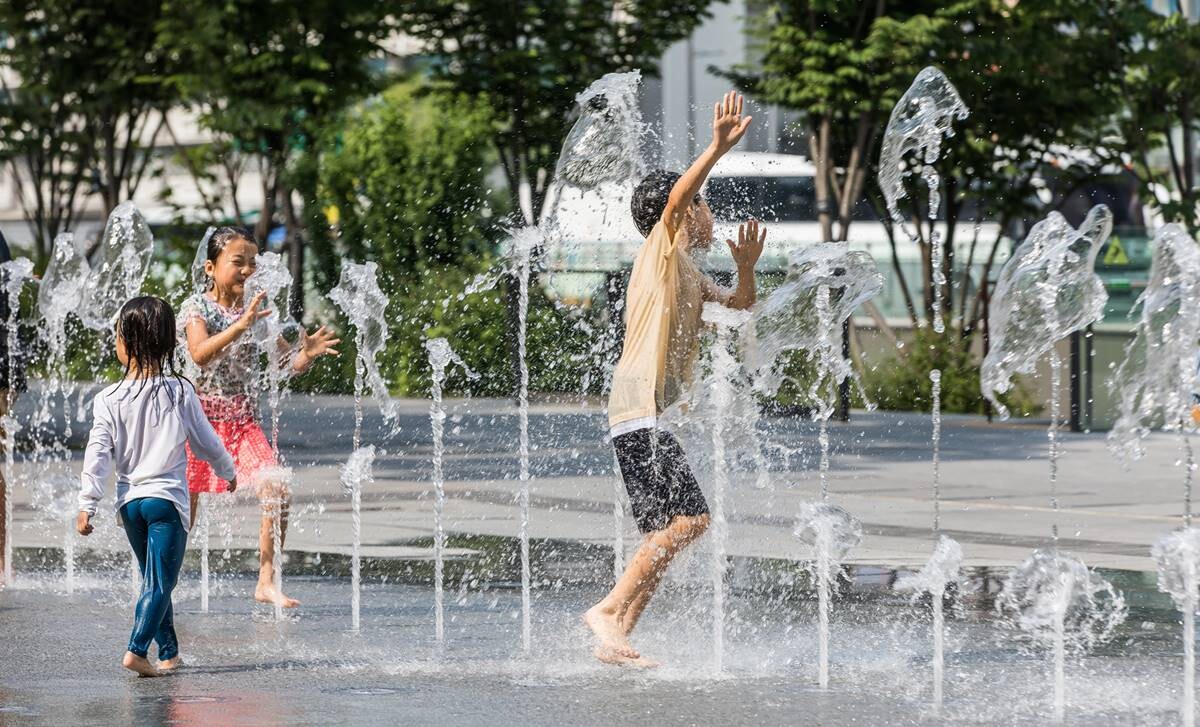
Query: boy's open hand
point(83, 523)
point(231, 486)
point(729, 126)
point(749, 246)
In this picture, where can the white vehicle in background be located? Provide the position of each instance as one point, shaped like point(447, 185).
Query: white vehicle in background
point(593, 235)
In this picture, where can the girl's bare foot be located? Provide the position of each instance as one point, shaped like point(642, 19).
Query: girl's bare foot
point(139, 664)
point(266, 593)
point(612, 647)
point(170, 664)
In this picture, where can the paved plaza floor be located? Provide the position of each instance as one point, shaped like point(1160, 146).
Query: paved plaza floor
point(59, 662)
point(994, 483)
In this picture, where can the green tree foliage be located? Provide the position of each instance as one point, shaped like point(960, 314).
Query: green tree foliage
point(405, 172)
point(530, 57)
point(83, 100)
point(845, 64)
point(1162, 91)
point(266, 75)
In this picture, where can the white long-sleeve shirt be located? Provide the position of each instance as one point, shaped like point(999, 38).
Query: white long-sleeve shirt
point(139, 428)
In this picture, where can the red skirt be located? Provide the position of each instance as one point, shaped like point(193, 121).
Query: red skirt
point(243, 438)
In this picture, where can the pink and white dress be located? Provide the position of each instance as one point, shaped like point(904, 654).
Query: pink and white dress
point(228, 390)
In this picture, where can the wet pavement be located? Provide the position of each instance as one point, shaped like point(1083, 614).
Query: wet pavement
point(60, 661)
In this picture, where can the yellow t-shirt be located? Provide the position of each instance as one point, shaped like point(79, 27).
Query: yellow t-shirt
point(662, 330)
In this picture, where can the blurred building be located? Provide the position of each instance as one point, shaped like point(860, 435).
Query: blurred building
point(679, 102)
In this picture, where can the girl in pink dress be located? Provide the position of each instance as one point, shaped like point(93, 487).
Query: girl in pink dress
point(228, 379)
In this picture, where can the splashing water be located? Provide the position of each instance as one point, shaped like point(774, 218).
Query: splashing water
point(125, 250)
point(60, 296)
point(357, 472)
point(1178, 557)
point(277, 336)
point(943, 567)
point(1157, 378)
point(825, 283)
point(199, 278)
point(831, 532)
point(440, 357)
point(724, 369)
point(1058, 602)
point(13, 275)
point(923, 116)
point(359, 297)
point(603, 145)
point(1046, 291)
point(520, 249)
point(1158, 374)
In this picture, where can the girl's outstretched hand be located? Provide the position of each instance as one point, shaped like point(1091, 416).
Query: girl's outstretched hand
point(83, 523)
point(313, 345)
point(252, 313)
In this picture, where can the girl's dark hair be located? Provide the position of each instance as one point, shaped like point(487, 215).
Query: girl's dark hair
point(222, 236)
point(650, 199)
point(147, 326)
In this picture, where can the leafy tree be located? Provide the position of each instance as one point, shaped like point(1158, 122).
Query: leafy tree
point(404, 173)
point(1016, 69)
point(265, 75)
point(85, 102)
point(843, 64)
point(530, 57)
point(1162, 93)
point(1016, 65)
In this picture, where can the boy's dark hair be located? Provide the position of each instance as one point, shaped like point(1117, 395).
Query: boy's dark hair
point(650, 199)
point(222, 236)
point(147, 325)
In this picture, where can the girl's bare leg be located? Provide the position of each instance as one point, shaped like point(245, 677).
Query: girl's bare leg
point(615, 615)
point(274, 499)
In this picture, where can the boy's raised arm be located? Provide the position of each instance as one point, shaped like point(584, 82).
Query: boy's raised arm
point(729, 126)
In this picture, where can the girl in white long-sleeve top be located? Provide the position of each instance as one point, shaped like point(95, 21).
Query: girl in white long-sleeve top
point(140, 426)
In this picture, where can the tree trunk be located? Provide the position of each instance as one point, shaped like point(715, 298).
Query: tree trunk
point(295, 248)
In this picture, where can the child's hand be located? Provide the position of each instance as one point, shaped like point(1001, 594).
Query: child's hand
point(728, 124)
point(252, 314)
point(319, 343)
point(232, 485)
point(83, 523)
point(749, 245)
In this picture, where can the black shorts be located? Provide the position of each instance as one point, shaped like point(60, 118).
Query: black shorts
point(657, 477)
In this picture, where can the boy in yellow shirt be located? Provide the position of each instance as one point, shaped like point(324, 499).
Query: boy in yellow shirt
point(662, 337)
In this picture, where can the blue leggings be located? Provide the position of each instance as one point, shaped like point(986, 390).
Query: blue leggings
point(156, 533)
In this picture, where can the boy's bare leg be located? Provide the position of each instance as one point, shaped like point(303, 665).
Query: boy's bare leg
point(693, 528)
point(274, 499)
point(608, 618)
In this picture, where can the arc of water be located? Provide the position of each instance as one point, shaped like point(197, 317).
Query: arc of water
point(923, 117)
point(725, 368)
point(440, 357)
point(13, 275)
point(1158, 375)
point(273, 278)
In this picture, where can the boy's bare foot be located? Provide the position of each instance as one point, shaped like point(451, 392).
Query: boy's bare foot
point(266, 593)
point(170, 664)
point(139, 664)
point(612, 645)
